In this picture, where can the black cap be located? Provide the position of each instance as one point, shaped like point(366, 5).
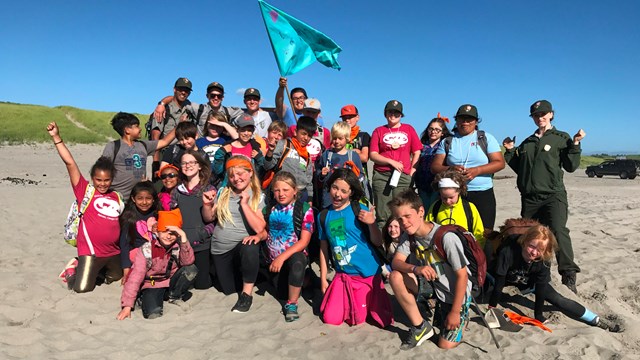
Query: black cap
point(540, 106)
point(215, 85)
point(394, 105)
point(467, 110)
point(252, 92)
point(183, 83)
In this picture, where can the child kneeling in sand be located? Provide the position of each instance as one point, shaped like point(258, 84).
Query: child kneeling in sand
point(525, 263)
point(450, 277)
point(163, 268)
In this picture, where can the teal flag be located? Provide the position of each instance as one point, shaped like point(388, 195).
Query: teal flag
point(295, 44)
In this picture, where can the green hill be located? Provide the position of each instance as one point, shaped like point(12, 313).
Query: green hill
point(21, 123)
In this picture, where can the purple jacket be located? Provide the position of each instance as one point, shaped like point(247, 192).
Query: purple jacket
point(141, 271)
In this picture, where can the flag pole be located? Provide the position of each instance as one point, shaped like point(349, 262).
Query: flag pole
point(264, 21)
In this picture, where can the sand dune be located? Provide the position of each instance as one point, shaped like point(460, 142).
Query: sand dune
point(40, 319)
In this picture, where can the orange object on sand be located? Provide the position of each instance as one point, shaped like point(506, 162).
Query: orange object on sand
point(521, 320)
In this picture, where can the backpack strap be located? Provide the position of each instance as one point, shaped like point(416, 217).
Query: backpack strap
point(199, 114)
point(285, 153)
point(116, 148)
point(435, 209)
point(323, 218)
point(468, 214)
point(329, 156)
point(438, 238)
point(86, 199)
point(482, 141)
point(299, 209)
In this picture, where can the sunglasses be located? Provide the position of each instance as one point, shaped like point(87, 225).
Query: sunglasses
point(215, 96)
point(168, 176)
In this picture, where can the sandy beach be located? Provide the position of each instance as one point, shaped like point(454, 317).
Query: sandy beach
point(41, 319)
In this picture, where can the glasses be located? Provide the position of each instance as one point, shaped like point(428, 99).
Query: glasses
point(434, 130)
point(538, 114)
point(394, 113)
point(215, 96)
point(183, 89)
point(298, 98)
point(466, 119)
point(168, 176)
point(188, 163)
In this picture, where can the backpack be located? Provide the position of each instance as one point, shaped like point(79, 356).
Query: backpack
point(472, 251)
point(74, 216)
point(149, 123)
point(510, 231)
point(482, 142)
point(148, 256)
point(268, 176)
point(224, 109)
point(467, 212)
point(349, 164)
point(355, 207)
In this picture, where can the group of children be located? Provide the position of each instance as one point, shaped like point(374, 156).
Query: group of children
point(230, 205)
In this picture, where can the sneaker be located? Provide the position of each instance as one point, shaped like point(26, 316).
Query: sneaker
point(243, 304)
point(606, 324)
point(291, 312)
point(417, 335)
point(569, 280)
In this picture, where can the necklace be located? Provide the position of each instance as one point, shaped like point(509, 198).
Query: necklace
point(395, 144)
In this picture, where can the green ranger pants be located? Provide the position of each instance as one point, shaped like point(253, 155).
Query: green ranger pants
point(383, 193)
point(552, 210)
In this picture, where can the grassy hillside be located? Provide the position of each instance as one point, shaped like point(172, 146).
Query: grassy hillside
point(27, 124)
point(20, 123)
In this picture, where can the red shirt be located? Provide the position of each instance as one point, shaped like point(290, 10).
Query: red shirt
point(100, 220)
point(404, 137)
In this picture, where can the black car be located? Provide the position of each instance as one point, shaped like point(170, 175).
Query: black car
point(625, 168)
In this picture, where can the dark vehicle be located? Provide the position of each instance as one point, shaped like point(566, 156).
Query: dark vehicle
point(625, 168)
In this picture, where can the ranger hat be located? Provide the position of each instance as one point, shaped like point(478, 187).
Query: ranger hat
point(215, 85)
point(394, 105)
point(183, 83)
point(467, 110)
point(252, 92)
point(540, 106)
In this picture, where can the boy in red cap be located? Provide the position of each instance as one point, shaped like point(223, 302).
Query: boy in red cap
point(164, 264)
point(358, 140)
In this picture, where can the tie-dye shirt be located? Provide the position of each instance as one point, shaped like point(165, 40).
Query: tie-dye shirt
point(281, 232)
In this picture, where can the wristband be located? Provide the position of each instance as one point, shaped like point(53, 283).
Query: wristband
point(414, 270)
point(57, 142)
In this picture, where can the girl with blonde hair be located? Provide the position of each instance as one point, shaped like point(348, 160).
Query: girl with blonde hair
point(237, 216)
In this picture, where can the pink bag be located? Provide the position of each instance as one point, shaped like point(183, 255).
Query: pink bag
point(351, 298)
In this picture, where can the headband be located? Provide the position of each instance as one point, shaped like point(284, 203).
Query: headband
point(240, 161)
point(447, 183)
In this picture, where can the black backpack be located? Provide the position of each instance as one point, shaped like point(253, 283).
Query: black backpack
point(482, 142)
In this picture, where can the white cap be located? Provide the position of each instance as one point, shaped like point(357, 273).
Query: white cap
point(312, 104)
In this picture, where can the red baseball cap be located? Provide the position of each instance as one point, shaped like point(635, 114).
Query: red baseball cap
point(348, 110)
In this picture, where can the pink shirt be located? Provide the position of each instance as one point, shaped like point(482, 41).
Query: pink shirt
point(101, 222)
point(406, 140)
point(246, 150)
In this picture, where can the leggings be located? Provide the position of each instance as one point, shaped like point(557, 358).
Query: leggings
point(152, 298)
point(245, 257)
point(203, 263)
point(291, 274)
point(90, 267)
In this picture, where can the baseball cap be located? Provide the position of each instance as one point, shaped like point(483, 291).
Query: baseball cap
point(467, 110)
point(540, 106)
point(215, 85)
point(394, 105)
point(312, 104)
point(245, 120)
point(183, 83)
point(348, 110)
point(252, 92)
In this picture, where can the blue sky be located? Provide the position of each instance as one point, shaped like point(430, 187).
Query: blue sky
point(583, 56)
